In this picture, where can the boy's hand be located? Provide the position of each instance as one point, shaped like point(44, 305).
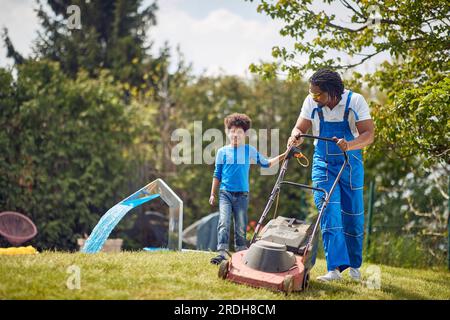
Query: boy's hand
point(212, 199)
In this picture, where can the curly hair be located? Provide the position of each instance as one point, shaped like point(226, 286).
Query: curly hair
point(328, 81)
point(239, 120)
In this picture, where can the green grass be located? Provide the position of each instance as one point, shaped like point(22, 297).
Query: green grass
point(189, 275)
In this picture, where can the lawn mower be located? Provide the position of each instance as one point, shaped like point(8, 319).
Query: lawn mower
point(282, 254)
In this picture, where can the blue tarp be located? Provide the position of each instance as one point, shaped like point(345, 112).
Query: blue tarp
point(207, 232)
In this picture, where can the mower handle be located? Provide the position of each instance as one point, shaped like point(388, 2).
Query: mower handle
point(292, 152)
point(303, 135)
point(305, 186)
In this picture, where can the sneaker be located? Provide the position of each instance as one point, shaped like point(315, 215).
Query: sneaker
point(330, 276)
point(355, 274)
point(218, 259)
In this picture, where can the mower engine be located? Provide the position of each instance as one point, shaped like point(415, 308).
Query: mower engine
point(291, 232)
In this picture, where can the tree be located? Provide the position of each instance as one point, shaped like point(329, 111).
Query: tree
point(416, 81)
point(113, 35)
point(113, 40)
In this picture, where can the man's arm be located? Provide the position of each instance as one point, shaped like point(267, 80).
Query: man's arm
point(366, 130)
point(302, 126)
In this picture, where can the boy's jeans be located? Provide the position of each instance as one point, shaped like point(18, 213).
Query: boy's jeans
point(236, 204)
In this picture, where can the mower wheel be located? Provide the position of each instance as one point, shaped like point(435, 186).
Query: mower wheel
point(305, 283)
point(288, 284)
point(223, 269)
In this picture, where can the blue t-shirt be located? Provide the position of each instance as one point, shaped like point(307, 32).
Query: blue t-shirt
point(233, 166)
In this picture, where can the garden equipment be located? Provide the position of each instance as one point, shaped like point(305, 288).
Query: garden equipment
point(282, 254)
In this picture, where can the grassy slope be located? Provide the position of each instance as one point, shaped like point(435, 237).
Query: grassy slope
point(187, 275)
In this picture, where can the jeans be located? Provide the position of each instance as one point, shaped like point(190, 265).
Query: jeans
point(232, 204)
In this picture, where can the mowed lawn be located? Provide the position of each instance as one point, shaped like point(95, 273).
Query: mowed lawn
point(189, 275)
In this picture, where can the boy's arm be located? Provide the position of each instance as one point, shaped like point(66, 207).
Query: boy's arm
point(277, 159)
point(216, 178)
point(214, 186)
point(264, 162)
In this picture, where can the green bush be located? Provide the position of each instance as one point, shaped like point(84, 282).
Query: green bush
point(62, 143)
point(401, 250)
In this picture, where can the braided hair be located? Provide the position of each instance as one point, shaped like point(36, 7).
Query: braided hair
point(328, 81)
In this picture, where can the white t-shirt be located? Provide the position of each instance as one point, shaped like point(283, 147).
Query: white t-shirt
point(359, 111)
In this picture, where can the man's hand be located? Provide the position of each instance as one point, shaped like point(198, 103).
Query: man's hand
point(342, 143)
point(292, 141)
point(212, 199)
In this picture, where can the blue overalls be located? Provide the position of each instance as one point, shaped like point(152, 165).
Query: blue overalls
point(342, 224)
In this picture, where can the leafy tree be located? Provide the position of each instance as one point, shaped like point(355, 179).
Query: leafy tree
point(416, 81)
point(113, 35)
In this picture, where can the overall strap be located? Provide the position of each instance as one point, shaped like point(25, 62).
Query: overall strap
point(346, 112)
point(319, 112)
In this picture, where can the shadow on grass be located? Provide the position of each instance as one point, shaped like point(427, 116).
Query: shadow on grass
point(438, 278)
point(349, 290)
point(442, 282)
point(322, 290)
point(402, 294)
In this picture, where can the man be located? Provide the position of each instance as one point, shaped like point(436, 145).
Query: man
point(333, 112)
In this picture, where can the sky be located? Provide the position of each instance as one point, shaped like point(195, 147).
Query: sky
point(216, 36)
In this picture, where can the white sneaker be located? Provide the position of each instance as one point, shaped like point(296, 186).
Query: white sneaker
point(355, 274)
point(330, 276)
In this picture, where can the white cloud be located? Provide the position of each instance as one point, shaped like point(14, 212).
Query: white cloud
point(22, 23)
point(220, 40)
point(225, 42)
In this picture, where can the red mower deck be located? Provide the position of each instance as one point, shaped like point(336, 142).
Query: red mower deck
point(287, 281)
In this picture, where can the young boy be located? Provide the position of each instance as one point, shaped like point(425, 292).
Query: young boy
point(232, 174)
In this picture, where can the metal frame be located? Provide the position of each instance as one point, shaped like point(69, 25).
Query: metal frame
point(175, 204)
point(276, 189)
